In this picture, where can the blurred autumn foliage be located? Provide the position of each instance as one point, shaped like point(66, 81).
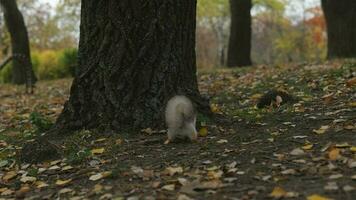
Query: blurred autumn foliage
point(282, 31)
point(278, 35)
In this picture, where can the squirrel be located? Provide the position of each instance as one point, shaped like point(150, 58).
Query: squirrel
point(180, 119)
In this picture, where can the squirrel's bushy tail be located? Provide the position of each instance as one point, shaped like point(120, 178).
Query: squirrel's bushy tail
point(180, 118)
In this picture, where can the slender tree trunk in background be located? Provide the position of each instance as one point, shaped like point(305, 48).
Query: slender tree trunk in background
point(133, 56)
point(19, 42)
point(341, 27)
point(240, 34)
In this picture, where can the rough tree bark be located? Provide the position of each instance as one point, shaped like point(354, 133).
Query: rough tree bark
point(22, 66)
point(341, 27)
point(133, 56)
point(240, 34)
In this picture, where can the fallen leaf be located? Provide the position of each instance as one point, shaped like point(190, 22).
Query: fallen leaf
point(343, 145)
point(203, 132)
point(66, 168)
point(351, 82)
point(65, 190)
point(7, 192)
point(222, 141)
point(348, 188)
point(118, 141)
point(100, 175)
point(331, 186)
point(334, 154)
point(63, 182)
point(137, 170)
point(55, 162)
point(9, 175)
point(214, 108)
point(98, 151)
point(278, 192)
point(289, 172)
point(28, 179)
point(54, 167)
point(335, 176)
point(22, 191)
point(3, 163)
point(174, 170)
point(317, 197)
point(353, 148)
point(41, 184)
point(184, 197)
point(297, 152)
point(215, 174)
point(321, 130)
point(182, 181)
point(328, 98)
point(170, 187)
point(307, 147)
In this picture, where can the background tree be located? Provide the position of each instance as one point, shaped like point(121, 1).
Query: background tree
point(240, 34)
point(213, 23)
point(133, 56)
point(341, 27)
point(19, 42)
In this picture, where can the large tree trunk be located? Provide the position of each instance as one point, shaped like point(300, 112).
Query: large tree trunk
point(22, 67)
point(341, 27)
point(240, 33)
point(133, 56)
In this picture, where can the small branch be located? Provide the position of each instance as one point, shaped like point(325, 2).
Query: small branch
point(5, 62)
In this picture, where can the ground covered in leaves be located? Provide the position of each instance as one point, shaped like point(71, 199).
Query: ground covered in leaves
point(304, 149)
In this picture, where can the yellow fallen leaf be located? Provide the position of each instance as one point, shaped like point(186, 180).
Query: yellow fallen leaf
point(214, 108)
point(317, 197)
point(98, 151)
point(41, 184)
point(100, 176)
point(353, 148)
point(215, 174)
point(23, 190)
point(307, 147)
point(321, 130)
point(334, 154)
point(203, 132)
point(278, 192)
point(342, 145)
point(352, 104)
point(63, 182)
point(9, 175)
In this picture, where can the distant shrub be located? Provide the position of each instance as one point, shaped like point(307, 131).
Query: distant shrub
point(68, 61)
point(48, 64)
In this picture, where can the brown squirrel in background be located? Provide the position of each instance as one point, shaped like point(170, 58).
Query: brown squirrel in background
point(180, 119)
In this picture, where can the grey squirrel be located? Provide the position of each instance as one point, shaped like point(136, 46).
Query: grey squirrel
point(180, 119)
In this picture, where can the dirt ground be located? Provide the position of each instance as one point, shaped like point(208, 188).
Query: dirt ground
point(305, 149)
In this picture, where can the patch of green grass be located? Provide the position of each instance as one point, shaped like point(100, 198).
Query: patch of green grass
point(41, 123)
point(77, 156)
